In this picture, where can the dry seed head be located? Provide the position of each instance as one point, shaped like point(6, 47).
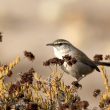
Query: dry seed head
point(98, 57)
point(29, 55)
point(96, 92)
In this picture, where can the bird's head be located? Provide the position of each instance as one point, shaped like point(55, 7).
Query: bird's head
point(60, 46)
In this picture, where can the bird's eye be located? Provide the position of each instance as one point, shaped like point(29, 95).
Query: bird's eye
point(60, 44)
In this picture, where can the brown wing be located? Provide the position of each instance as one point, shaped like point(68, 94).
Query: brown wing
point(80, 56)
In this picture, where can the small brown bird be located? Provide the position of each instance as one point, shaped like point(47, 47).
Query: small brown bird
point(82, 67)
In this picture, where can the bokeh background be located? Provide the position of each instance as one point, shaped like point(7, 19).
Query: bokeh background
point(31, 24)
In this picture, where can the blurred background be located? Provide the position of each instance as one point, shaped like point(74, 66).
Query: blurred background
point(31, 24)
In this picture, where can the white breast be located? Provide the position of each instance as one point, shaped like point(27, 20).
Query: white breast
point(59, 54)
point(76, 70)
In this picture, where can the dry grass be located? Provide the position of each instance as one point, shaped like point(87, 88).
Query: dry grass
point(32, 92)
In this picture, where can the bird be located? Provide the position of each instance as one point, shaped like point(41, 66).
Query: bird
point(84, 65)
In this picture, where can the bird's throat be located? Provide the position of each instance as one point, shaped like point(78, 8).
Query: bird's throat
point(60, 53)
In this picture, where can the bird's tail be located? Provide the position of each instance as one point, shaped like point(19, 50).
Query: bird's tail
point(102, 63)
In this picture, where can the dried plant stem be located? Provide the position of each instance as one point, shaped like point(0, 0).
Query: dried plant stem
point(50, 98)
point(8, 68)
point(50, 92)
point(104, 76)
point(50, 69)
point(56, 68)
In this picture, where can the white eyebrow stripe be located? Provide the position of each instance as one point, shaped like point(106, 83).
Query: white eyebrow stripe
point(58, 42)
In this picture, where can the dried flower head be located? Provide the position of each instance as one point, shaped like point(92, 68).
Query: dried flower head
point(76, 84)
point(46, 63)
point(76, 99)
point(71, 62)
point(14, 87)
point(96, 92)
point(1, 37)
point(80, 105)
point(54, 61)
point(67, 57)
point(64, 106)
point(98, 57)
point(32, 70)
point(107, 57)
point(29, 55)
point(83, 104)
point(5, 67)
point(27, 77)
point(10, 73)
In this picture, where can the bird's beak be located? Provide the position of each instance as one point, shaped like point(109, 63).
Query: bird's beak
point(50, 44)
